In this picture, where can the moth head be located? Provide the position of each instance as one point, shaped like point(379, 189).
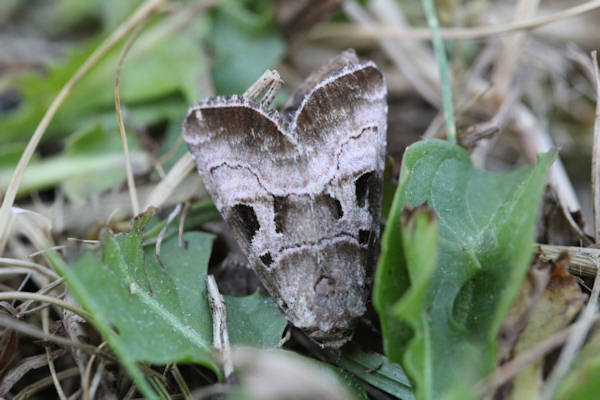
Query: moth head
point(333, 338)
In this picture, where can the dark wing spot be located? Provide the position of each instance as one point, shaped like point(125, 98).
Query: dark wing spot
point(368, 188)
point(266, 259)
point(362, 187)
point(243, 217)
point(363, 236)
point(279, 211)
point(332, 204)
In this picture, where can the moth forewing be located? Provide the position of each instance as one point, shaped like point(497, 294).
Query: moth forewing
point(302, 188)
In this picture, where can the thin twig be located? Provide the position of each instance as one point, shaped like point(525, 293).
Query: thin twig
point(582, 260)
point(220, 333)
point(596, 151)
point(11, 192)
point(575, 341)
point(480, 32)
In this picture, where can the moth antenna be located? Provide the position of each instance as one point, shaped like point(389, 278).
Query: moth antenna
point(272, 91)
point(267, 85)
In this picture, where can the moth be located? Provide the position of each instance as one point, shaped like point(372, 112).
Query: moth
point(302, 188)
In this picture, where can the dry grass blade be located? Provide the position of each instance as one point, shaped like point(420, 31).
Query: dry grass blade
point(29, 266)
point(595, 152)
point(30, 330)
point(25, 365)
point(507, 371)
point(41, 384)
point(149, 7)
point(24, 307)
point(508, 57)
point(415, 62)
point(55, 379)
point(482, 32)
point(161, 192)
point(88, 371)
point(43, 298)
point(135, 204)
point(176, 373)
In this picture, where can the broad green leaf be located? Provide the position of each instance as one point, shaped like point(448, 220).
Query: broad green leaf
point(442, 296)
point(161, 315)
point(376, 369)
point(254, 320)
point(242, 50)
point(162, 64)
point(155, 315)
point(198, 214)
point(92, 162)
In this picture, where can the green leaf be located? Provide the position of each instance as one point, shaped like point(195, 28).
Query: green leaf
point(162, 64)
point(254, 321)
point(92, 162)
point(377, 370)
point(198, 214)
point(242, 53)
point(162, 315)
point(442, 289)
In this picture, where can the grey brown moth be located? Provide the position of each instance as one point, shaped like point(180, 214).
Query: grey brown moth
point(302, 188)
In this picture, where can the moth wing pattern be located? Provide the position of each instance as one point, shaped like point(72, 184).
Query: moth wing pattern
point(302, 189)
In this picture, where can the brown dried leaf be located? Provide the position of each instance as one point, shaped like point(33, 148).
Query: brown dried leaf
point(536, 316)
